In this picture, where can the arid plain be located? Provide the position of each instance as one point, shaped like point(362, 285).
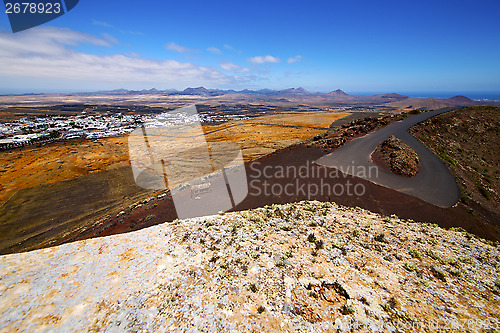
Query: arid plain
point(54, 190)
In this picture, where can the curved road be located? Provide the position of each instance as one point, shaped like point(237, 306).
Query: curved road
point(433, 183)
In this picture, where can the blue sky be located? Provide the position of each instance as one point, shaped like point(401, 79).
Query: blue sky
point(357, 46)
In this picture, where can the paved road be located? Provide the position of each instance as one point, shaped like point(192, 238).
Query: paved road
point(433, 183)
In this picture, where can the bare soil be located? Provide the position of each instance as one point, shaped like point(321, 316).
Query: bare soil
point(100, 207)
point(299, 267)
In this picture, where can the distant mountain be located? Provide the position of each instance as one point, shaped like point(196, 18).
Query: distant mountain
point(134, 92)
point(337, 93)
point(294, 94)
point(202, 91)
point(432, 103)
point(246, 91)
point(391, 96)
point(461, 99)
point(114, 92)
point(196, 91)
point(294, 91)
point(265, 91)
point(150, 91)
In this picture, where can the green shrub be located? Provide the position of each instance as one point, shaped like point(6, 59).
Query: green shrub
point(447, 158)
point(409, 266)
point(252, 287)
point(415, 253)
point(280, 263)
point(287, 254)
point(484, 192)
point(352, 233)
point(347, 309)
point(311, 238)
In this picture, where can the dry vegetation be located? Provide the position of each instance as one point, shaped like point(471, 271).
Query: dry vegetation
point(467, 140)
point(263, 135)
point(34, 166)
point(396, 156)
point(51, 191)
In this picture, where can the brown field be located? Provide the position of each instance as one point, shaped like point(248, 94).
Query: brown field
point(263, 135)
point(34, 166)
point(51, 191)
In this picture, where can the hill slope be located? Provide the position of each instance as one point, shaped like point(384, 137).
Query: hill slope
point(468, 141)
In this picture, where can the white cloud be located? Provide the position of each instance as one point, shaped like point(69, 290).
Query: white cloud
point(132, 54)
point(177, 48)
point(294, 59)
point(102, 24)
point(213, 49)
point(110, 26)
point(263, 59)
point(110, 38)
point(44, 41)
point(48, 53)
point(229, 66)
point(228, 47)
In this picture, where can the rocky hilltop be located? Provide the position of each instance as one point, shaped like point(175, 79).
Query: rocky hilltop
point(396, 156)
point(307, 266)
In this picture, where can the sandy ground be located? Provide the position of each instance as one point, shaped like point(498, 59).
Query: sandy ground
point(34, 166)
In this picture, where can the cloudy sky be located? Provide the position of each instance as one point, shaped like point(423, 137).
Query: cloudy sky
point(357, 46)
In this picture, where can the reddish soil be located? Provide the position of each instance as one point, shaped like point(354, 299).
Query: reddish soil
point(380, 159)
point(375, 198)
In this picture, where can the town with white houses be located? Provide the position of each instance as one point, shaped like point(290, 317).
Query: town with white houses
point(31, 130)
